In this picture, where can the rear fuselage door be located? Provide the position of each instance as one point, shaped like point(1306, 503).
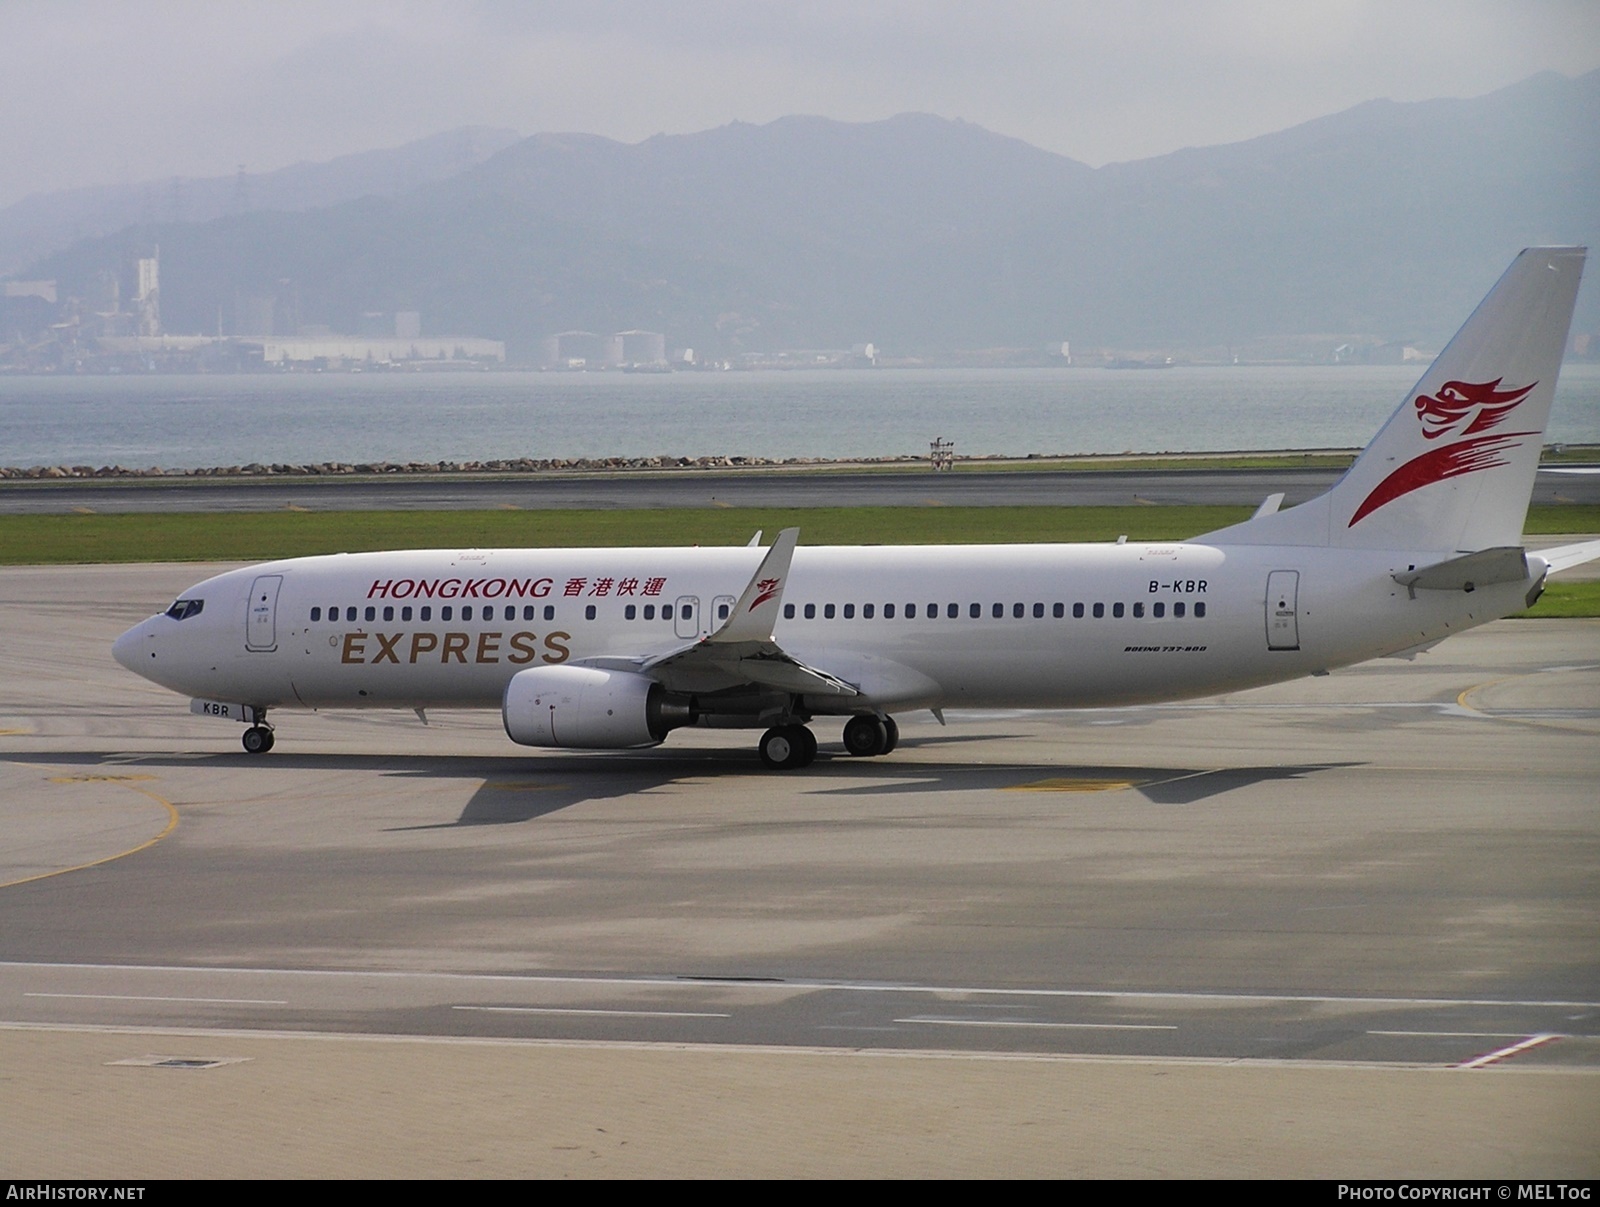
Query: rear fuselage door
point(1283, 615)
point(261, 623)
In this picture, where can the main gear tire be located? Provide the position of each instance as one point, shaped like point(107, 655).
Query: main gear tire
point(788, 747)
point(866, 736)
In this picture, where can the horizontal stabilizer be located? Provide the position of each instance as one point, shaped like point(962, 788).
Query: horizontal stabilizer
point(1564, 557)
point(1269, 505)
point(1508, 564)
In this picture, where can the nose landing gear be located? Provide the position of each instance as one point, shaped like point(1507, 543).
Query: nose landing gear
point(258, 739)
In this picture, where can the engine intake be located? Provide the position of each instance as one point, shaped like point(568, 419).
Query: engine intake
point(586, 708)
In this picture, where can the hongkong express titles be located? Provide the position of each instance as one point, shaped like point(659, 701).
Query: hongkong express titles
point(511, 588)
point(488, 646)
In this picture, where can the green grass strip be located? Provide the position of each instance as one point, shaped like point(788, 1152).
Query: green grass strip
point(1565, 601)
point(257, 536)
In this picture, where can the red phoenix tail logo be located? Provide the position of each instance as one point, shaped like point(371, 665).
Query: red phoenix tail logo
point(768, 588)
point(1460, 408)
point(1483, 402)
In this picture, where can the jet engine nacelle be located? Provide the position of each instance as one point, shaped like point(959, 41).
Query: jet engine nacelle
point(581, 706)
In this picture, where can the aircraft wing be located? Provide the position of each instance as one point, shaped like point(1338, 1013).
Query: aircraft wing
point(741, 652)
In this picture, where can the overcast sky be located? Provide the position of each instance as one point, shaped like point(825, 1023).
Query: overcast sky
point(98, 91)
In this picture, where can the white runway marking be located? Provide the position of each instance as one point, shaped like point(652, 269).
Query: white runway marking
point(1454, 1034)
point(141, 997)
point(1022, 1022)
point(602, 1013)
point(778, 985)
point(1499, 1054)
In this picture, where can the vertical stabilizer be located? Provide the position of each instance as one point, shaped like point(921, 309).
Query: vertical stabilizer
point(1453, 468)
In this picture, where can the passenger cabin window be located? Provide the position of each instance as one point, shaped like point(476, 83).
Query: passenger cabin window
point(1138, 611)
point(866, 611)
point(316, 613)
point(447, 612)
point(630, 612)
point(588, 612)
point(549, 611)
point(1158, 610)
point(849, 611)
point(1077, 611)
point(1099, 610)
point(1058, 611)
point(788, 611)
point(350, 613)
point(528, 612)
point(1199, 611)
point(827, 611)
point(1116, 610)
point(372, 612)
point(1177, 608)
point(811, 611)
point(1016, 611)
point(650, 611)
point(952, 611)
point(426, 612)
point(388, 612)
point(466, 612)
point(911, 611)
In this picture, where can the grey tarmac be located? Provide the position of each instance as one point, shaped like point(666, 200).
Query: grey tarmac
point(1338, 928)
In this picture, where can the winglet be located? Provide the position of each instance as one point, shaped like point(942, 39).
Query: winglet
point(756, 614)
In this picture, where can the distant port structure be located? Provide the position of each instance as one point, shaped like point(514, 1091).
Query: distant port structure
point(115, 326)
point(589, 350)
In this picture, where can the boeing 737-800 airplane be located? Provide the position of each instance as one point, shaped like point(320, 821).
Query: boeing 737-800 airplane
point(614, 648)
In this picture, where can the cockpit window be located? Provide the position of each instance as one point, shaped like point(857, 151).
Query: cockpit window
point(182, 609)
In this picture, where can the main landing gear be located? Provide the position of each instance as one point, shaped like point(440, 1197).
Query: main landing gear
point(788, 747)
point(258, 738)
point(791, 747)
point(866, 736)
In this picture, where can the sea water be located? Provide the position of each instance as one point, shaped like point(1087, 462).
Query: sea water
point(185, 422)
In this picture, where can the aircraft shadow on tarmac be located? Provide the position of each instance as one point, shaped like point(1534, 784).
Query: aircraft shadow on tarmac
point(518, 788)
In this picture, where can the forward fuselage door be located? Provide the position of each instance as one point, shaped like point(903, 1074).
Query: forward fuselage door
point(261, 617)
point(1283, 615)
point(686, 616)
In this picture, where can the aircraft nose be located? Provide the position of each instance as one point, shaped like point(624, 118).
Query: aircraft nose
point(129, 648)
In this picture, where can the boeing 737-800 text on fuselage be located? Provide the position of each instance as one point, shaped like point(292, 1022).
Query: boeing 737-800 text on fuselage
point(614, 648)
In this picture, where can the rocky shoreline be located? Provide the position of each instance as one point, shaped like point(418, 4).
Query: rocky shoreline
point(516, 465)
point(537, 465)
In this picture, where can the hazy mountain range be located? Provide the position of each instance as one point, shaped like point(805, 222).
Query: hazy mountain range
point(44, 223)
point(915, 233)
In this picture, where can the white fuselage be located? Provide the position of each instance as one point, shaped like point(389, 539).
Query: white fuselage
point(1010, 626)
